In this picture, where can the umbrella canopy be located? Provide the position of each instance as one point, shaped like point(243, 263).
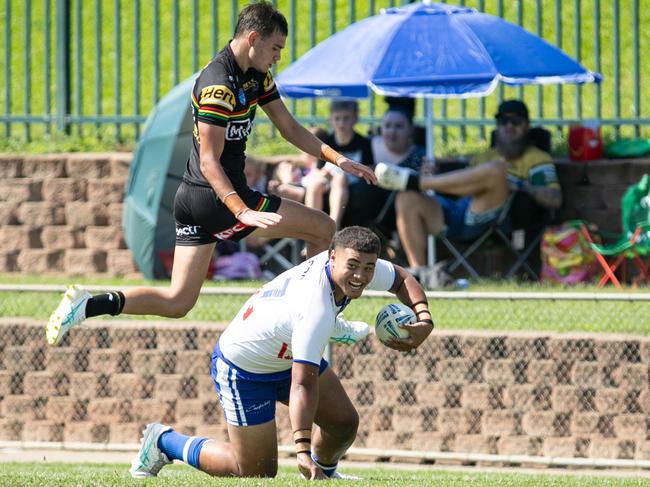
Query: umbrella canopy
point(428, 50)
point(154, 175)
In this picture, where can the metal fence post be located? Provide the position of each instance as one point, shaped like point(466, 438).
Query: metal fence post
point(62, 65)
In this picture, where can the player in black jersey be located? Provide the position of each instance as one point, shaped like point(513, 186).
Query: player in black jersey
point(213, 201)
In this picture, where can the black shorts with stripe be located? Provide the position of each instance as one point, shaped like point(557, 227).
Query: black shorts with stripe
point(201, 218)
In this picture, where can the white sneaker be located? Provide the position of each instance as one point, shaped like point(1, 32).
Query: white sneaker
point(70, 312)
point(149, 460)
point(390, 176)
point(349, 332)
point(342, 476)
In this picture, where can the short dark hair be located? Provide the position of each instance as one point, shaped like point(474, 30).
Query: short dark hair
point(262, 17)
point(361, 239)
point(338, 105)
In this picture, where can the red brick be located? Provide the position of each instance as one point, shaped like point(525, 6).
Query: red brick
point(587, 374)
point(40, 383)
point(82, 214)
point(585, 424)
point(539, 423)
point(108, 190)
point(453, 371)
point(43, 167)
point(193, 362)
point(559, 447)
point(87, 166)
point(62, 238)
point(19, 190)
point(604, 448)
point(104, 360)
point(19, 408)
point(8, 213)
point(630, 426)
point(519, 397)
point(514, 445)
point(106, 410)
point(125, 433)
point(43, 430)
point(114, 214)
point(10, 166)
point(610, 401)
point(37, 261)
point(631, 376)
point(84, 261)
point(167, 386)
point(120, 263)
point(83, 385)
point(104, 238)
point(17, 358)
point(16, 237)
point(78, 432)
point(9, 261)
point(472, 444)
point(498, 422)
point(60, 359)
point(11, 429)
point(39, 214)
point(498, 372)
point(61, 190)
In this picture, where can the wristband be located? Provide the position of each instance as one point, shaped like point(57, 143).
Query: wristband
point(235, 204)
point(428, 322)
point(303, 451)
point(328, 154)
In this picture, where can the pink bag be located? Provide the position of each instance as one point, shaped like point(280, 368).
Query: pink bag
point(239, 265)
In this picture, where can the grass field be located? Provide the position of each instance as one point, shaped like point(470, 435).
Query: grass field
point(82, 475)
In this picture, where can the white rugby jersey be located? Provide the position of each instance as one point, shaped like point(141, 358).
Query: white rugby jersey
point(290, 318)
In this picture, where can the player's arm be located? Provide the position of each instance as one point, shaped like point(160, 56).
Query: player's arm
point(304, 140)
point(212, 139)
point(303, 401)
point(409, 292)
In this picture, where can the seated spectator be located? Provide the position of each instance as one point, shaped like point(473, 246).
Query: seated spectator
point(514, 164)
point(329, 182)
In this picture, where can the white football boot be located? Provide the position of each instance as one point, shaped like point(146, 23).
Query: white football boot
point(348, 332)
point(149, 460)
point(342, 476)
point(390, 176)
point(70, 312)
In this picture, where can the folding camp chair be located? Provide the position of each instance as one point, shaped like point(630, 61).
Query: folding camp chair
point(633, 243)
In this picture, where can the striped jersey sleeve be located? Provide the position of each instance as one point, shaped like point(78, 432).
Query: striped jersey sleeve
point(213, 104)
point(268, 91)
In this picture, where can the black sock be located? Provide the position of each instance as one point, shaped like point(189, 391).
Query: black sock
point(413, 182)
point(105, 304)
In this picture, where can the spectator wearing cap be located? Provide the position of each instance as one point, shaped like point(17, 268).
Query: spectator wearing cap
point(480, 191)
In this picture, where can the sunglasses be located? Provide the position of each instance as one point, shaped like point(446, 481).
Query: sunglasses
point(512, 119)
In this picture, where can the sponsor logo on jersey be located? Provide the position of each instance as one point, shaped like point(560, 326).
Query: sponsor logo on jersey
point(238, 129)
point(219, 95)
point(241, 96)
point(268, 82)
point(250, 85)
point(229, 232)
point(187, 231)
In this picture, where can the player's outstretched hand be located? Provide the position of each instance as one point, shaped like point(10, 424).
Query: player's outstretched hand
point(358, 170)
point(259, 219)
point(308, 468)
point(418, 333)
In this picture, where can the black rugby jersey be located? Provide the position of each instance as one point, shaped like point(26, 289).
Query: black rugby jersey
point(223, 95)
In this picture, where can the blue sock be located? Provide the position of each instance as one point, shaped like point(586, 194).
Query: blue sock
point(327, 469)
point(181, 447)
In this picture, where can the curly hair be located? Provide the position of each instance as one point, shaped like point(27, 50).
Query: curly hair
point(361, 239)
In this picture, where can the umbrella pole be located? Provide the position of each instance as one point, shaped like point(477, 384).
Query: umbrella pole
point(428, 118)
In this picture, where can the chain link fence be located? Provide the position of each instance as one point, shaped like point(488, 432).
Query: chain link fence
point(538, 377)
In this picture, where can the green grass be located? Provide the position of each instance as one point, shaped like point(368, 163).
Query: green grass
point(503, 315)
point(82, 475)
point(27, 65)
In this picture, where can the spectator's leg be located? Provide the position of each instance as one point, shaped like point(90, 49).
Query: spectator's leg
point(315, 191)
point(339, 195)
point(417, 217)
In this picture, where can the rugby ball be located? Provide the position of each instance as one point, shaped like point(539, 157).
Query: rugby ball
point(389, 318)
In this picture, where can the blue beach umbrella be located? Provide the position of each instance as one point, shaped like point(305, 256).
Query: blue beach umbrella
point(428, 50)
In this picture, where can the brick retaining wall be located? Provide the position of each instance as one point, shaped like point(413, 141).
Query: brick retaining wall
point(507, 393)
point(62, 214)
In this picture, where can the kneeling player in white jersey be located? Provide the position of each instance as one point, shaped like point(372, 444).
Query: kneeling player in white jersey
point(272, 351)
